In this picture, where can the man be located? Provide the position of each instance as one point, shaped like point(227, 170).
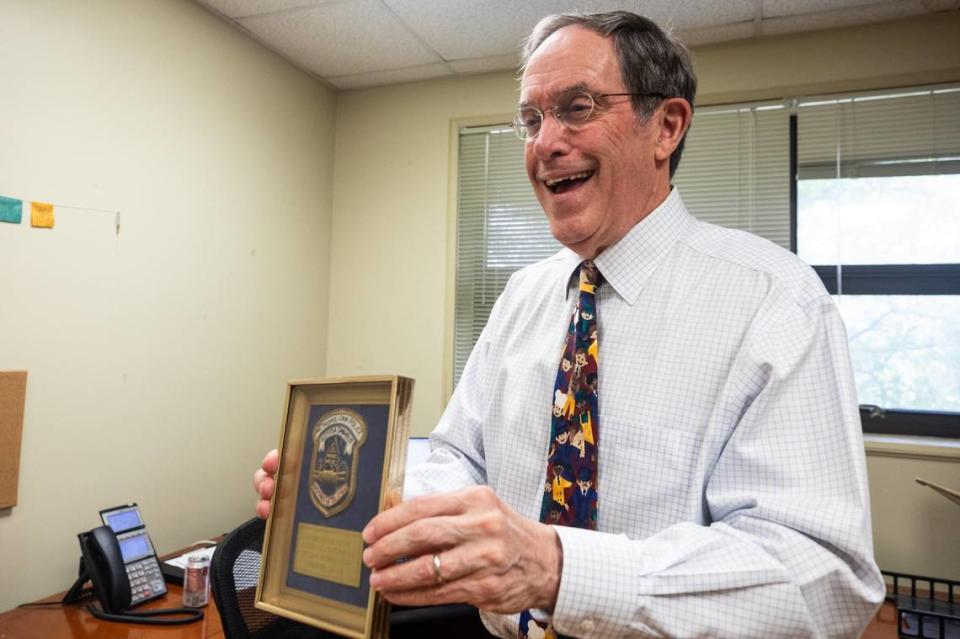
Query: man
point(730, 489)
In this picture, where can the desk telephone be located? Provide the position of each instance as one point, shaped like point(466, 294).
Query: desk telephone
point(119, 559)
point(139, 557)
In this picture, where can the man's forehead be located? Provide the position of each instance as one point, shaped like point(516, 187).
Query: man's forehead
point(572, 58)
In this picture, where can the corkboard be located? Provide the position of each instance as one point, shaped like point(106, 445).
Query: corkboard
point(13, 391)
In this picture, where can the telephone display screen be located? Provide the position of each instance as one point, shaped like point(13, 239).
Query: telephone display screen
point(133, 548)
point(121, 520)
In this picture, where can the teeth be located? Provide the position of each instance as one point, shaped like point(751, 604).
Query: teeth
point(575, 176)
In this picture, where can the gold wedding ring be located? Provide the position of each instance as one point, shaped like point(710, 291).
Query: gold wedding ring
point(437, 577)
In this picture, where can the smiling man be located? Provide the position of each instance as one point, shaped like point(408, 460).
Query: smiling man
point(596, 182)
point(717, 487)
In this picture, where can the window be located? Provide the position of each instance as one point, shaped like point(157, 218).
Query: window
point(875, 207)
point(878, 215)
point(735, 169)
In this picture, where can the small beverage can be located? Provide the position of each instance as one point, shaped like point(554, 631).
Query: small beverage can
point(196, 581)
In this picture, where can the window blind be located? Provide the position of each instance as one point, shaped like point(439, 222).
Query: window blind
point(500, 228)
point(910, 132)
point(735, 169)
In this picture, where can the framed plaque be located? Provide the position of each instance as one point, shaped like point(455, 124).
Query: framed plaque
point(342, 450)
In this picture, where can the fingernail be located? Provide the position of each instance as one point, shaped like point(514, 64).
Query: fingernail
point(366, 557)
point(368, 533)
point(375, 580)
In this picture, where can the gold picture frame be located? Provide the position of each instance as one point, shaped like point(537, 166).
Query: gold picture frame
point(343, 448)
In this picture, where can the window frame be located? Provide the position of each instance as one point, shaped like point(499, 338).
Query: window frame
point(883, 279)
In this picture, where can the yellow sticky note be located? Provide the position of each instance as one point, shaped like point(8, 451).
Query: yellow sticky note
point(41, 215)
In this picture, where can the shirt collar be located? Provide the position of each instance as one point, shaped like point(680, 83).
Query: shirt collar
point(627, 264)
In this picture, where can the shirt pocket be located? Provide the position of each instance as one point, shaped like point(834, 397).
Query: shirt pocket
point(650, 477)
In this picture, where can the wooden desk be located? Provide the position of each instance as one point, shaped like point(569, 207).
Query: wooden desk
point(75, 622)
point(884, 623)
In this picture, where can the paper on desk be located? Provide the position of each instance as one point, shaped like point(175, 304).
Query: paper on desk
point(181, 561)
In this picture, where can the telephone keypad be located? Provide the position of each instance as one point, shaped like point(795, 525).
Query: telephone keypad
point(146, 580)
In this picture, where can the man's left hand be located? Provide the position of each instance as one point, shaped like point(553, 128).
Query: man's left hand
point(489, 556)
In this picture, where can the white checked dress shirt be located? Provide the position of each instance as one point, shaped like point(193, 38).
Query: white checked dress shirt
point(733, 495)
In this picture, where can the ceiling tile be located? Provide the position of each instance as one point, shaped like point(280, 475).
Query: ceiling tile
point(779, 8)
point(497, 27)
point(459, 29)
point(243, 8)
point(693, 14)
point(393, 76)
point(844, 17)
point(483, 65)
point(324, 39)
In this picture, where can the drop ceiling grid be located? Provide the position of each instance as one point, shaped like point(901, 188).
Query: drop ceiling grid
point(363, 43)
point(340, 38)
point(246, 8)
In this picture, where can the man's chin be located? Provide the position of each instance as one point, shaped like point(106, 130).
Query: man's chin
point(574, 236)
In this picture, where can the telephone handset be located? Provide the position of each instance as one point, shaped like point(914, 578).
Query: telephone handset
point(102, 563)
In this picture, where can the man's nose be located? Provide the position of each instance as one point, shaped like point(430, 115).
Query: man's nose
point(553, 138)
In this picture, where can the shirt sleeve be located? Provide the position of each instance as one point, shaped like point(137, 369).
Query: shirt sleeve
point(788, 549)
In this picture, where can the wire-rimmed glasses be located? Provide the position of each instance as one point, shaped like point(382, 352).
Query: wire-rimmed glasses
point(573, 109)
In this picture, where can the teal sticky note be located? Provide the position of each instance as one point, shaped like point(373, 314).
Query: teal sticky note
point(11, 210)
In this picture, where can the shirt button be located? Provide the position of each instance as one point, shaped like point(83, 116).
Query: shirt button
point(586, 625)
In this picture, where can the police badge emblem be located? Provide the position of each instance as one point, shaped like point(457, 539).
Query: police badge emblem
point(337, 438)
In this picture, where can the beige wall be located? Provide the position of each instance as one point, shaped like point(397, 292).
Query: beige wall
point(157, 359)
point(915, 528)
point(389, 259)
point(394, 197)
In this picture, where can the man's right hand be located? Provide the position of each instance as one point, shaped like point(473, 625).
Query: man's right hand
point(263, 482)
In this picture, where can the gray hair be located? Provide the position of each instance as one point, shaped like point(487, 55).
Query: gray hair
point(651, 61)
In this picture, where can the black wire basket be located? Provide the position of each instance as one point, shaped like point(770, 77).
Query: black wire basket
point(927, 607)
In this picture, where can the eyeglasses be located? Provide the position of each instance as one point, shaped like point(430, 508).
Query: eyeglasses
point(572, 110)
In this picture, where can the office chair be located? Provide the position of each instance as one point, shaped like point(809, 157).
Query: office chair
point(235, 568)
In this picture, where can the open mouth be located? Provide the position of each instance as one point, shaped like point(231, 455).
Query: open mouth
point(567, 182)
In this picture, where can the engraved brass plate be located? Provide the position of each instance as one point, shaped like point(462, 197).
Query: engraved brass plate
point(329, 553)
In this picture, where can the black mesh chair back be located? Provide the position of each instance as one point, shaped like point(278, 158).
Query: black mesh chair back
point(235, 569)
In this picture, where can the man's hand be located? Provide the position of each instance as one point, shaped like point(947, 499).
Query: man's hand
point(490, 557)
point(263, 482)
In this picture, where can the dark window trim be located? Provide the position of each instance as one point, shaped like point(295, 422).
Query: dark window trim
point(892, 279)
point(922, 423)
point(794, 176)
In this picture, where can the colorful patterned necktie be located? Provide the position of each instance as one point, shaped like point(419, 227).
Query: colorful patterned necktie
point(570, 490)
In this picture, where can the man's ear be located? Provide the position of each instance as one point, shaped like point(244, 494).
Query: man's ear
point(673, 115)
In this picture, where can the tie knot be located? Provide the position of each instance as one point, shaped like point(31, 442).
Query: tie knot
point(589, 273)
